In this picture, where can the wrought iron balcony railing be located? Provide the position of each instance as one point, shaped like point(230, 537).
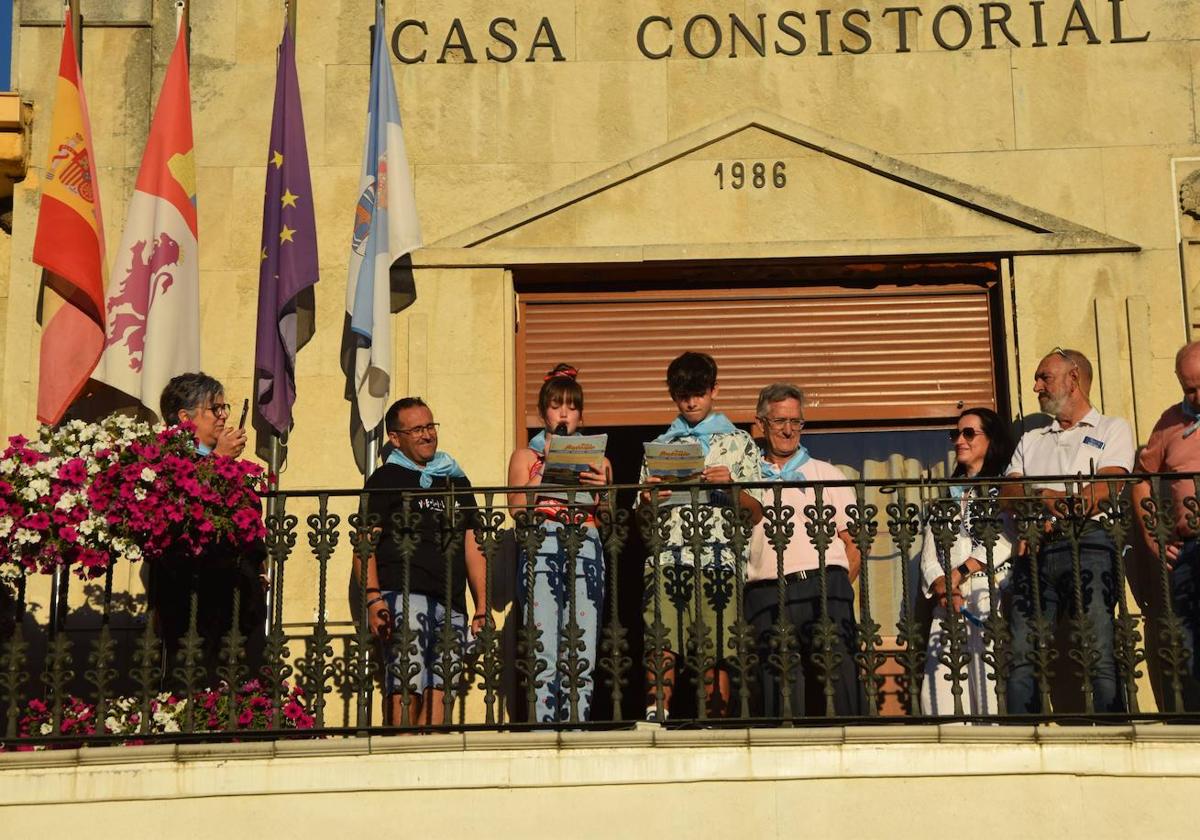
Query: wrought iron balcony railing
point(709, 611)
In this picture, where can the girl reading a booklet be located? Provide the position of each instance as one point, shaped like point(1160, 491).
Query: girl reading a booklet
point(560, 405)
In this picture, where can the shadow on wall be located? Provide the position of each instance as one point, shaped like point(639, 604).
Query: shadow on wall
point(127, 621)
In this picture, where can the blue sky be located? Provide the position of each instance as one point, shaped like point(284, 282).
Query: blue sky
point(6, 15)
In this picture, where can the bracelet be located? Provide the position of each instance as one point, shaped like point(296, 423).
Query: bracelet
point(373, 589)
point(376, 600)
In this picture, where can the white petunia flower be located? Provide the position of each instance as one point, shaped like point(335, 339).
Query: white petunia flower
point(148, 475)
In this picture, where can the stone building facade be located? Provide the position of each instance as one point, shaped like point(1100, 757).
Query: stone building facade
point(1030, 167)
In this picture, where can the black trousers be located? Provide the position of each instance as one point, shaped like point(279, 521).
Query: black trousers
point(802, 610)
point(214, 578)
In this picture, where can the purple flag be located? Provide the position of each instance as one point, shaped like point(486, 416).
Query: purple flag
point(289, 253)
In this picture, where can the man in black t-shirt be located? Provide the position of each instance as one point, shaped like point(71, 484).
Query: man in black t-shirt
point(423, 590)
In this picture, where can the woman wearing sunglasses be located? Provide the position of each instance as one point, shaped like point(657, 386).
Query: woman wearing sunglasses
point(982, 447)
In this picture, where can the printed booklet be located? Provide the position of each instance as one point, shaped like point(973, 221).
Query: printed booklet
point(676, 463)
point(569, 455)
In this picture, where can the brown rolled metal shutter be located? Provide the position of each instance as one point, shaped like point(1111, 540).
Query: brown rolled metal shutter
point(859, 355)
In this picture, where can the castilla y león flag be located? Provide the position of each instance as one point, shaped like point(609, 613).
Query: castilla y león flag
point(69, 244)
point(154, 292)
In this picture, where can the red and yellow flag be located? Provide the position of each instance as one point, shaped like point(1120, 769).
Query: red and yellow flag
point(70, 245)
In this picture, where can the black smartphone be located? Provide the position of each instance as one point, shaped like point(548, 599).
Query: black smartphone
point(245, 411)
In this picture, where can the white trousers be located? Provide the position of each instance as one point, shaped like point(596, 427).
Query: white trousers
point(978, 692)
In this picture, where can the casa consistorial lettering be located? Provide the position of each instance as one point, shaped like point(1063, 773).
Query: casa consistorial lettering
point(504, 39)
point(791, 32)
point(829, 31)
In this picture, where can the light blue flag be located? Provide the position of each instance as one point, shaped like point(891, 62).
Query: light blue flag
point(385, 230)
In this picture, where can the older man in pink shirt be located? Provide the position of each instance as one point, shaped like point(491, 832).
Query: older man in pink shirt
point(1174, 447)
point(780, 416)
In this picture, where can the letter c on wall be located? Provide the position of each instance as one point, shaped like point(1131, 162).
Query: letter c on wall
point(641, 36)
point(396, 33)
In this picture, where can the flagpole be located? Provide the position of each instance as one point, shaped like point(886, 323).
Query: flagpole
point(183, 23)
point(274, 509)
point(76, 30)
point(57, 588)
point(274, 453)
point(288, 270)
point(371, 443)
point(377, 249)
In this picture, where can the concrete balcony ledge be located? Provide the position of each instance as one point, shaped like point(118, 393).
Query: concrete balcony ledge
point(1074, 780)
point(641, 737)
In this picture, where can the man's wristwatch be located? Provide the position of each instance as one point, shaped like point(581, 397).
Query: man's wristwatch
point(963, 569)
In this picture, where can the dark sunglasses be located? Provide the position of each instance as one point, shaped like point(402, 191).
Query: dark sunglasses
point(967, 433)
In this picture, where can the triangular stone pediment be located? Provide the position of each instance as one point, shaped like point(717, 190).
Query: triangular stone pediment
point(756, 184)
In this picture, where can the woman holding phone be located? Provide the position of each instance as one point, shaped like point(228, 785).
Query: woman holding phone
point(560, 406)
point(982, 448)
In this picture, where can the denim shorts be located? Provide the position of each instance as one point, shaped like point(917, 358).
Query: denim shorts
point(425, 666)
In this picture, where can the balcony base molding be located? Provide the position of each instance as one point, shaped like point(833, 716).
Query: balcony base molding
point(1102, 781)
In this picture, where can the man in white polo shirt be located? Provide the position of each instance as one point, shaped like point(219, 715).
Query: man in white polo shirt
point(780, 417)
point(1080, 442)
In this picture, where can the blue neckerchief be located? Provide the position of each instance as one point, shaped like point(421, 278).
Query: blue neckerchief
point(203, 450)
point(1191, 414)
point(956, 491)
point(441, 465)
point(789, 471)
point(714, 424)
point(538, 442)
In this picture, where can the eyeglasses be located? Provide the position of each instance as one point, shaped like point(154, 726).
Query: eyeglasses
point(427, 429)
point(220, 409)
point(781, 423)
point(968, 434)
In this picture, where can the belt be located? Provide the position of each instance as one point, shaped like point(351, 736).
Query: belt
point(1089, 528)
point(793, 577)
point(1090, 531)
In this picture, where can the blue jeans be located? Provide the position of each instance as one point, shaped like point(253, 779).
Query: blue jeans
point(1056, 584)
point(1185, 600)
point(552, 614)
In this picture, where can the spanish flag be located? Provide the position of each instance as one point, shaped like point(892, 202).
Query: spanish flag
point(69, 244)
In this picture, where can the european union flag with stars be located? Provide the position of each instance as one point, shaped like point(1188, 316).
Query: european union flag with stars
point(289, 254)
